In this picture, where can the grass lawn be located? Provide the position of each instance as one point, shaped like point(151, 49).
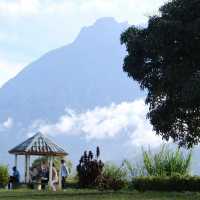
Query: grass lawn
point(75, 194)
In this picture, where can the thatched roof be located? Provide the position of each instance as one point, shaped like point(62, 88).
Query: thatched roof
point(38, 145)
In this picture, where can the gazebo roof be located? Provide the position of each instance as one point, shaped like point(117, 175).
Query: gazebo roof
point(38, 145)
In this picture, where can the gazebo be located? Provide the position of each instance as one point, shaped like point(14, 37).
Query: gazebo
point(38, 145)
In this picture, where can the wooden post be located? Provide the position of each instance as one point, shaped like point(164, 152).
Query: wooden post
point(50, 171)
point(60, 177)
point(16, 160)
point(25, 168)
point(28, 169)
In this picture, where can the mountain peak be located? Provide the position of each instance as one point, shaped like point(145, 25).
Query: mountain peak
point(106, 21)
point(110, 21)
point(107, 27)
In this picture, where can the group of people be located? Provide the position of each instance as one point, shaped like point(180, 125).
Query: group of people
point(40, 175)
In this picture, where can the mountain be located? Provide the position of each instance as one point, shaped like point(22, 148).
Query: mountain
point(82, 75)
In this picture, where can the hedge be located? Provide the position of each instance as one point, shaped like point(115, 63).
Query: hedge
point(4, 176)
point(173, 183)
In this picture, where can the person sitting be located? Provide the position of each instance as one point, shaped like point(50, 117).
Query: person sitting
point(54, 178)
point(44, 175)
point(64, 173)
point(14, 179)
point(34, 176)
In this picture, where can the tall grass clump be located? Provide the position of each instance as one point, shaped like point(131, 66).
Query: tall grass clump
point(4, 176)
point(132, 170)
point(166, 162)
point(112, 170)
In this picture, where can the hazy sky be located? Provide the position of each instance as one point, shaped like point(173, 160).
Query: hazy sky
point(29, 28)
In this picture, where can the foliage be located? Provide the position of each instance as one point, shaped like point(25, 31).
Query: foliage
point(112, 170)
point(4, 176)
point(89, 168)
point(72, 182)
point(168, 183)
point(113, 177)
point(132, 170)
point(164, 59)
point(166, 162)
point(37, 162)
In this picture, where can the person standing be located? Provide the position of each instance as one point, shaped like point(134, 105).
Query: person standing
point(54, 178)
point(14, 179)
point(64, 173)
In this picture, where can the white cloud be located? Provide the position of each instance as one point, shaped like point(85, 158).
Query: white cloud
point(19, 8)
point(7, 124)
point(106, 122)
point(134, 11)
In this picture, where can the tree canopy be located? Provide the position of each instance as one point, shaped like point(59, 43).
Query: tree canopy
point(164, 58)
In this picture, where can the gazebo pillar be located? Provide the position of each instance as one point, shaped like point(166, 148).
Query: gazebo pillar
point(28, 169)
point(50, 170)
point(60, 177)
point(16, 160)
point(25, 168)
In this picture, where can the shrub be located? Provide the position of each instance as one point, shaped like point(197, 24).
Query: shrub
point(168, 183)
point(72, 182)
point(166, 162)
point(37, 162)
point(113, 177)
point(89, 168)
point(4, 176)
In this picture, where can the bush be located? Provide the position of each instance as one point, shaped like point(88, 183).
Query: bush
point(72, 182)
point(166, 162)
point(57, 161)
point(4, 176)
point(113, 177)
point(170, 183)
point(89, 168)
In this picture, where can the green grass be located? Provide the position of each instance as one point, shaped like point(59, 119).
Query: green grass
point(75, 194)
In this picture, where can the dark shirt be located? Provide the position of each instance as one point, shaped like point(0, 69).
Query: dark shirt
point(44, 174)
point(16, 176)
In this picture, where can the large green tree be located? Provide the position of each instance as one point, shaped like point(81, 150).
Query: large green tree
point(164, 58)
